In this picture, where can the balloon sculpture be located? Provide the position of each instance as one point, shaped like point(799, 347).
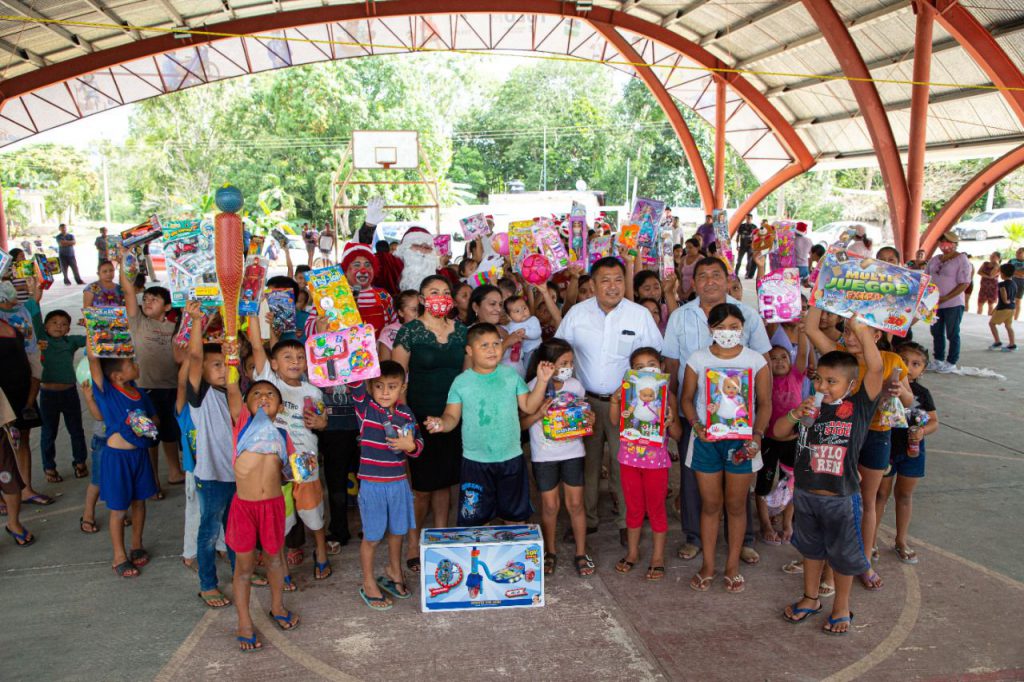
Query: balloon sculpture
point(228, 241)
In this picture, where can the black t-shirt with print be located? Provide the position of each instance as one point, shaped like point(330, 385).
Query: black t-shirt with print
point(827, 451)
point(746, 234)
point(1010, 287)
point(924, 402)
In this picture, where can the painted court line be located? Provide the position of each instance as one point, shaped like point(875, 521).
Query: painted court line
point(977, 454)
point(185, 650)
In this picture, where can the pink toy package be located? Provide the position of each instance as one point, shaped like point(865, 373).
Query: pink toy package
point(443, 244)
point(778, 295)
point(551, 246)
point(342, 357)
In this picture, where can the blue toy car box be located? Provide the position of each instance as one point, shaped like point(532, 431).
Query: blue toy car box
point(481, 568)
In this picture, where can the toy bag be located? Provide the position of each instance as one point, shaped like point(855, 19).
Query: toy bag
point(729, 397)
point(303, 467)
point(644, 404)
point(333, 297)
point(106, 332)
point(778, 296)
point(342, 357)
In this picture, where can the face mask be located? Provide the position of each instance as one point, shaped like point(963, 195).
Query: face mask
point(947, 247)
point(563, 374)
point(727, 338)
point(648, 370)
point(438, 306)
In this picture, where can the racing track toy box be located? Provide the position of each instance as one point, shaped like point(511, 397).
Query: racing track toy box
point(488, 567)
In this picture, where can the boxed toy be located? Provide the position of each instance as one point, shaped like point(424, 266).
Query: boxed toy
point(24, 269)
point(106, 332)
point(600, 247)
point(647, 214)
point(566, 418)
point(188, 250)
point(778, 295)
point(5, 261)
point(577, 235)
point(783, 253)
point(342, 357)
point(281, 303)
point(551, 246)
point(333, 298)
point(729, 397)
point(142, 233)
point(253, 276)
point(644, 404)
point(627, 238)
point(721, 225)
point(520, 242)
point(485, 567)
point(43, 273)
point(443, 244)
point(476, 226)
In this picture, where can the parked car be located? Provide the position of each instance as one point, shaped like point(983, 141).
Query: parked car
point(828, 234)
point(989, 224)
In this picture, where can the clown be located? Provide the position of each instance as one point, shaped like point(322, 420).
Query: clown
point(375, 304)
point(420, 259)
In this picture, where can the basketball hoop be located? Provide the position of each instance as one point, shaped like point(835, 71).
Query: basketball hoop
point(385, 156)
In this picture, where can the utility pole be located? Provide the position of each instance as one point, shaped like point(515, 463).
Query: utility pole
point(544, 170)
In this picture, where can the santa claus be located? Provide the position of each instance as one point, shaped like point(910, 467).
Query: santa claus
point(375, 305)
point(419, 259)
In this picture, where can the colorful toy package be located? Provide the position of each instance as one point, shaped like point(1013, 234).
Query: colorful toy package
point(566, 418)
point(721, 225)
point(778, 296)
point(142, 233)
point(881, 295)
point(25, 269)
point(443, 244)
point(53, 265)
point(281, 303)
point(577, 235)
point(551, 246)
point(43, 273)
point(208, 295)
point(278, 235)
point(107, 333)
point(484, 567)
point(342, 357)
point(476, 226)
point(644, 404)
point(303, 467)
point(783, 253)
point(929, 303)
point(488, 275)
point(333, 297)
point(666, 264)
point(730, 403)
point(600, 247)
point(520, 242)
point(627, 238)
point(184, 333)
point(647, 215)
point(188, 250)
point(5, 261)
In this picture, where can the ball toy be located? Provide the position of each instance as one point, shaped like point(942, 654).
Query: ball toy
point(500, 243)
point(536, 269)
point(228, 199)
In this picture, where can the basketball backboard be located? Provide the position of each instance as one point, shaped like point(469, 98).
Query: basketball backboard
point(385, 149)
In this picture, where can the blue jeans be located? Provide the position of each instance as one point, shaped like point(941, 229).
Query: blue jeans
point(214, 500)
point(53, 404)
point(947, 326)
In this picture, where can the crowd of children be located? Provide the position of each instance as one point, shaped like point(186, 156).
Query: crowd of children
point(469, 372)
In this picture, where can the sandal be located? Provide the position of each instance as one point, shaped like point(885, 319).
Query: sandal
point(333, 548)
point(41, 500)
point(126, 569)
point(380, 603)
point(734, 584)
point(624, 566)
point(87, 527)
point(874, 555)
point(749, 556)
point(699, 583)
point(395, 589)
point(688, 551)
point(289, 621)
point(799, 615)
point(871, 581)
point(550, 562)
point(826, 590)
point(81, 470)
point(655, 573)
point(832, 622)
point(138, 557)
point(906, 555)
point(794, 567)
point(413, 564)
point(209, 600)
point(160, 495)
point(53, 476)
point(770, 537)
point(257, 580)
point(584, 565)
point(294, 557)
point(322, 571)
point(289, 586)
point(249, 644)
point(191, 564)
point(22, 539)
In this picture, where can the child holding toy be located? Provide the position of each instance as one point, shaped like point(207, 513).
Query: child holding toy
point(644, 472)
point(729, 464)
point(58, 395)
point(558, 462)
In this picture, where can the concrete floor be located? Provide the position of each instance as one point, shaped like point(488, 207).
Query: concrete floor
point(949, 618)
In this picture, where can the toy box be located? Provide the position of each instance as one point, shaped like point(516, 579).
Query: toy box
point(566, 418)
point(253, 276)
point(628, 238)
point(647, 214)
point(577, 235)
point(188, 250)
point(644, 404)
point(729, 398)
point(342, 357)
point(599, 247)
point(481, 568)
point(43, 273)
point(142, 233)
point(721, 225)
point(107, 333)
point(475, 226)
point(24, 269)
point(443, 244)
point(208, 295)
point(879, 294)
point(5, 261)
point(778, 295)
point(281, 302)
point(551, 246)
point(333, 298)
point(520, 242)
point(783, 253)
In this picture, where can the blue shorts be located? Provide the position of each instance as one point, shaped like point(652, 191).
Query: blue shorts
point(97, 445)
point(804, 271)
point(490, 490)
point(874, 454)
point(827, 528)
point(710, 458)
point(385, 508)
point(125, 476)
point(905, 465)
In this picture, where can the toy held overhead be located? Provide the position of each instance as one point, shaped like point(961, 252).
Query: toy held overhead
point(228, 246)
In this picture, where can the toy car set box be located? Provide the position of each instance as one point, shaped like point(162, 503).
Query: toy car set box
point(486, 567)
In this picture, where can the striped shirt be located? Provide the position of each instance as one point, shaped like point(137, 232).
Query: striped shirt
point(377, 461)
point(376, 307)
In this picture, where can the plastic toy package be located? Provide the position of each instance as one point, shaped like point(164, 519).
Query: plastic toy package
point(184, 334)
point(880, 295)
point(520, 242)
point(486, 567)
point(142, 233)
point(475, 226)
point(778, 296)
point(566, 418)
point(43, 273)
point(443, 244)
point(721, 225)
point(729, 396)
point(141, 425)
point(644, 405)
point(600, 247)
point(254, 275)
point(106, 332)
point(647, 215)
point(25, 269)
point(482, 276)
point(5, 262)
point(627, 238)
point(333, 297)
point(551, 247)
point(577, 235)
point(188, 250)
point(929, 304)
point(281, 303)
point(342, 357)
point(280, 237)
point(783, 253)
point(208, 295)
point(303, 467)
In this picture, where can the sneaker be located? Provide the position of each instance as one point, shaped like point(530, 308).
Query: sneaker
point(1010, 349)
point(996, 346)
point(937, 366)
point(948, 368)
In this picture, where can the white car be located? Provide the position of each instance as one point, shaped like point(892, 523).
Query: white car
point(829, 233)
point(989, 224)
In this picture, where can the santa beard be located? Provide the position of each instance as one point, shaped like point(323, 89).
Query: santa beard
point(417, 266)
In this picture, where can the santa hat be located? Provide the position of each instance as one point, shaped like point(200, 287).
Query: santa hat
point(354, 250)
point(411, 236)
point(801, 228)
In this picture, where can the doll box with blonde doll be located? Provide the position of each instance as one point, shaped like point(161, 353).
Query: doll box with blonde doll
point(730, 404)
point(644, 402)
point(342, 357)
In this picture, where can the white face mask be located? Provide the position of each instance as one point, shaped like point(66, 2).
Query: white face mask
point(727, 338)
point(563, 374)
point(649, 370)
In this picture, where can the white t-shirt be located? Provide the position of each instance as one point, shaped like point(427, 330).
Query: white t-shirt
point(544, 450)
point(289, 417)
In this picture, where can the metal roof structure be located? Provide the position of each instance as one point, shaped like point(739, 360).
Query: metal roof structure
point(791, 83)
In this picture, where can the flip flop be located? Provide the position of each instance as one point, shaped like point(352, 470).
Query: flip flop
point(294, 557)
point(53, 476)
point(624, 566)
point(550, 562)
point(734, 584)
point(81, 470)
point(826, 590)
point(254, 644)
point(871, 581)
point(391, 587)
point(83, 525)
point(832, 622)
point(655, 573)
point(23, 539)
point(138, 557)
point(286, 622)
point(125, 570)
point(906, 555)
point(699, 583)
point(803, 614)
point(413, 564)
point(289, 586)
point(39, 499)
point(794, 567)
point(208, 599)
point(322, 571)
point(584, 565)
point(371, 601)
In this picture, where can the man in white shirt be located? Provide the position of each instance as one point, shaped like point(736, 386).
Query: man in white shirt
point(604, 331)
point(687, 332)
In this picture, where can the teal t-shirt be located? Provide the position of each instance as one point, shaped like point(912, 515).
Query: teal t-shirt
point(490, 413)
point(59, 358)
